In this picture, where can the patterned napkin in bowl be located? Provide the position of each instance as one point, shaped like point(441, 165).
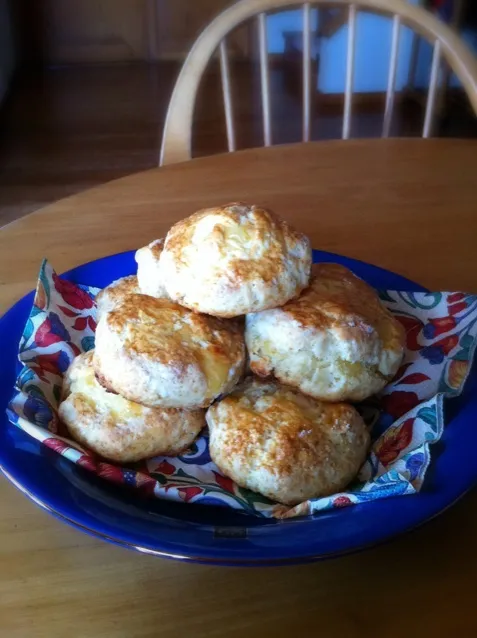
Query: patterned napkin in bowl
point(406, 419)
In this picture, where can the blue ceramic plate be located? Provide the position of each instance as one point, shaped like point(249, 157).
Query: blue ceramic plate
point(218, 535)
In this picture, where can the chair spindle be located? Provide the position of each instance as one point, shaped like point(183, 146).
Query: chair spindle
point(390, 94)
point(306, 71)
point(264, 78)
point(227, 93)
point(431, 97)
point(349, 71)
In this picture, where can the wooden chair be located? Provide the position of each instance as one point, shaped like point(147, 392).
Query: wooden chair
point(176, 143)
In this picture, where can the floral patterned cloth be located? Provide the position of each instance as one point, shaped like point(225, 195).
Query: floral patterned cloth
point(405, 419)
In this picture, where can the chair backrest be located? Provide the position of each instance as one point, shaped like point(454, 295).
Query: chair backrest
point(176, 143)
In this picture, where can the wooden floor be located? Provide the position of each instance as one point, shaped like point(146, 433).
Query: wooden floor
point(67, 129)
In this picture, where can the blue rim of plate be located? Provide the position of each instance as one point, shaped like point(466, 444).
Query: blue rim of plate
point(219, 535)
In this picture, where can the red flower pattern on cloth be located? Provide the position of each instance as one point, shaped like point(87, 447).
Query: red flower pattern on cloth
point(456, 308)
point(52, 330)
point(394, 441)
point(448, 343)
point(414, 378)
point(398, 403)
point(44, 336)
point(87, 462)
point(455, 296)
point(110, 472)
point(55, 363)
point(165, 467)
point(225, 483)
point(400, 373)
point(56, 444)
point(145, 482)
point(436, 327)
point(72, 294)
point(437, 351)
point(342, 501)
point(188, 493)
point(80, 323)
point(67, 311)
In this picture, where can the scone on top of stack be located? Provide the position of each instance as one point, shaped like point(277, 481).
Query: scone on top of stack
point(227, 261)
point(171, 342)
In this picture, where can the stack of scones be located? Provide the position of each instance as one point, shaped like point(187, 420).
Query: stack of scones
point(228, 324)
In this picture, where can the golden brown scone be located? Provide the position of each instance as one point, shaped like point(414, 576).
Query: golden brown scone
point(157, 353)
point(274, 440)
point(230, 260)
point(149, 275)
point(116, 428)
point(115, 293)
point(336, 342)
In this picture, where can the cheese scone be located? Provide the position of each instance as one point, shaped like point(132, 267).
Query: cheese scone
point(116, 428)
point(272, 439)
point(157, 353)
point(336, 342)
point(115, 293)
point(234, 259)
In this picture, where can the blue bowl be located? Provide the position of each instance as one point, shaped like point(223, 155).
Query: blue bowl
point(212, 534)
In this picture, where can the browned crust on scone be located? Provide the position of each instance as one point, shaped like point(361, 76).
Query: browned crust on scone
point(336, 299)
point(276, 429)
point(268, 227)
point(223, 339)
point(250, 429)
point(156, 248)
point(127, 286)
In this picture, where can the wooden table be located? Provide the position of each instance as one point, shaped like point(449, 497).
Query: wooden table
point(410, 206)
